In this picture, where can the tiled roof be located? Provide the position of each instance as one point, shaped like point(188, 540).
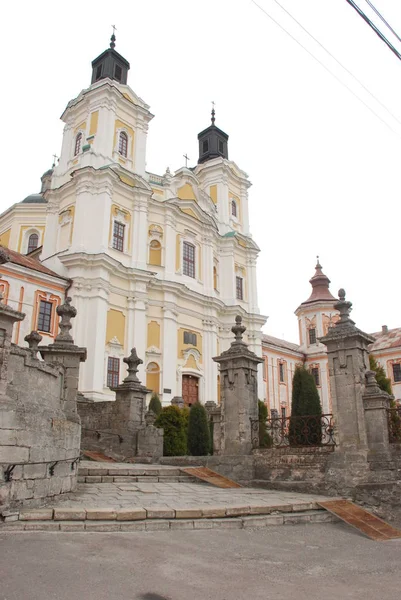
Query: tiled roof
point(386, 340)
point(269, 339)
point(29, 263)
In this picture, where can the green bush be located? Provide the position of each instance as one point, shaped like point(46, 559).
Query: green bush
point(172, 420)
point(265, 441)
point(305, 403)
point(383, 382)
point(155, 405)
point(198, 431)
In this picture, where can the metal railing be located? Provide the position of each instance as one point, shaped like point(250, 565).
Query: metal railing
point(304, 431)
point(394, 425)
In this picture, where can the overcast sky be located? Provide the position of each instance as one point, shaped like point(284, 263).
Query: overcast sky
point(325, 170)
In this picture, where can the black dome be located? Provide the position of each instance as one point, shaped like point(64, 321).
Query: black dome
point(34, 199)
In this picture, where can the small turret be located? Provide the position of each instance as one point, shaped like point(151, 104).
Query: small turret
point(213, 142)
point(110, 64)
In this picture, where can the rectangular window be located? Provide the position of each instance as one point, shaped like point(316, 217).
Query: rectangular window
point(205, 147)
point(118, 236)
point(397, 373)
point(189, 259)
point(221, 147)
point(113, 372)
point(117, 72)
point(239, 286)
point(45, 316)
point(190, 338)
point(312, 336)
point(315, 374)
point(281, 372)
point(98, 72)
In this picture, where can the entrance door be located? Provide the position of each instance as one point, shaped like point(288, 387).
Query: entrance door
point(189, 389)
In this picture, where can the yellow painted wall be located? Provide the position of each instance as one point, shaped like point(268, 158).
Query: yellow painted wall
point(93, 122)
point(155, 253)
point(190, 212)
point(115, 326)
point(5, 238)
point(186, 192)
point(24, 228)
point(213, 193)
point(153, 382)
point(181, 346)
point(232, 196)
point(154, 334)
point(191, 363)
point(81, 126)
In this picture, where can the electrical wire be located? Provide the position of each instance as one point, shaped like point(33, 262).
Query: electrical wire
point(338, 62)
point(373, 26)
point(325, 67)
point(383, 19)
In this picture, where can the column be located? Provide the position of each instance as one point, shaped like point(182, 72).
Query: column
point(210, 367)
point(169, 369)
point(169, 247)
point(252, 287)
point(140, 233)
point(140, 332)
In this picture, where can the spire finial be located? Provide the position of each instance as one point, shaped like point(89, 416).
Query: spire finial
point(318, 265)
point(113, 37)
point(213, 112)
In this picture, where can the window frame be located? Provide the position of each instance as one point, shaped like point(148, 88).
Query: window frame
point(188, 262)
point(234, 208)
point(239, 287)
point(117, 237)
point(34, 233)
point(192, 338)
point(43, 316)
point(118, 78)
point(123, 144)
point(78, 143)
point(281, 372)
point(397, 378)
point(113, 374)
point(314, 341)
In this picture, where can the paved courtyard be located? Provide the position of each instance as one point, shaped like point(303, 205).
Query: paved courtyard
point(307, 562)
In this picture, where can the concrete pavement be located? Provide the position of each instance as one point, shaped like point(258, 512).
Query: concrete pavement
point(319, 562)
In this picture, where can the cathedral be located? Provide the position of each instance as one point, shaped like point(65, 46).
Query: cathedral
point(162, 263)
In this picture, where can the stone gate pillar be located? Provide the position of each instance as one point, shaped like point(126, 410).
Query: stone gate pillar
point(348, 357)
point(65, 352)
point(239, 394)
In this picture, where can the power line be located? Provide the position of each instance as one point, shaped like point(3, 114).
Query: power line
point(383, 19)
point(338, 62)
point(326, 68)
point(373, 26)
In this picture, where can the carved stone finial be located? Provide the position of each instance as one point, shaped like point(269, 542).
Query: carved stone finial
point(66, 312)
point(133, 361)
point(33, 339)
point(344, 308)
point(238, 329)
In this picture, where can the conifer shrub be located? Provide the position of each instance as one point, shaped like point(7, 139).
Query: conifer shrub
point(198, 431)
point(155, 405)
point(305, 403)
point(384, 384)
point(172, 420)
point(265, 440)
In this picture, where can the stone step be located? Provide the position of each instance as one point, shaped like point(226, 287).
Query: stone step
point(93, 472)
point(182, 478)
point(163, 524)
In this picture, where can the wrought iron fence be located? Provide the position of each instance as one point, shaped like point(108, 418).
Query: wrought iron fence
point(309, 430)
point(394, 425)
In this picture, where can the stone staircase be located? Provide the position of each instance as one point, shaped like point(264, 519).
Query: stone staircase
point(91, 472)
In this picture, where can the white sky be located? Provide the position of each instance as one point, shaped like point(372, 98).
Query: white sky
point(325, 170)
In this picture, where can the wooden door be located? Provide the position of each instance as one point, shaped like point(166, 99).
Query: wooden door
point(189, 389)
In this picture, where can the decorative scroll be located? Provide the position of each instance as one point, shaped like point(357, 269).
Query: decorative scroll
point(309, 430)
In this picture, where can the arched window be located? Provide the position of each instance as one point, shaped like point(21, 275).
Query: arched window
point(153, 377)
point(78, 141)
point(233, 208)
point(123, 143)
point(33, 242)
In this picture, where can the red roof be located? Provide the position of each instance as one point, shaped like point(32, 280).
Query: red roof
point(385, 340)
point(29, 263)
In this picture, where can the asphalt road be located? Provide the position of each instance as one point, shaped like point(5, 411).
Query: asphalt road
point(311, 562)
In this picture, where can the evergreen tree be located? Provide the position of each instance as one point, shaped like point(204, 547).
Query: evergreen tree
point(265, 441)
point(198, 431)
point(155, 405)
point(305, 403)
point(172, 420)
point(383, 382)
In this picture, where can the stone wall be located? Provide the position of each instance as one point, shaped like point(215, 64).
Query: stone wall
point(297, 469)
point(40, 429)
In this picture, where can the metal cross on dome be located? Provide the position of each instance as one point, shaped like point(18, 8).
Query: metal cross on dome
point(186, 160)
